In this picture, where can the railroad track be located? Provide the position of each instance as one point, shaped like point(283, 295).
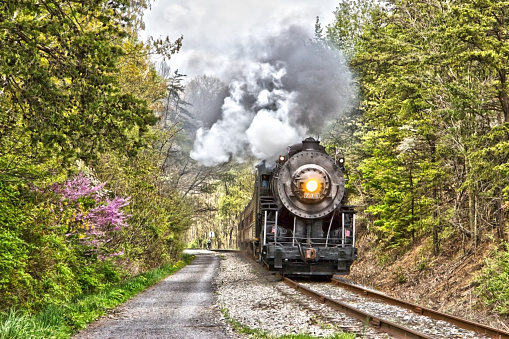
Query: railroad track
point(401, 326)
point(463, 323)
point(225, 250)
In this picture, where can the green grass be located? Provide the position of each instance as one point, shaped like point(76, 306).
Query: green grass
point(255, 333)
point(341, 335)
point(61, 321)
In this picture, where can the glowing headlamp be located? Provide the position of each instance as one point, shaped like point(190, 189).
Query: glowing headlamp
point(311, 185)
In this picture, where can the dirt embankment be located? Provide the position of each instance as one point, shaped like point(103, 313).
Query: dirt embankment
point(445, 282)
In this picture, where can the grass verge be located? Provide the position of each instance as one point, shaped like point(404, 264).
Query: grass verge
point(61, 321)
point(255, 333)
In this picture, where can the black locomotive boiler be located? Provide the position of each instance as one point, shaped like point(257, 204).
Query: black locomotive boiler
point(298, 222)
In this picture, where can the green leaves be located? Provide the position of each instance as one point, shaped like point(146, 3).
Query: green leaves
point(77, 90)
point(351, 19)
point(433, 75)
point(493, 282)
point(59, 78)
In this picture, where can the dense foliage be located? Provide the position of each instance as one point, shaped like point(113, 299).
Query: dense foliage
point(429, 139)
point(59, 86)
point(432, 153)
point(83, 200)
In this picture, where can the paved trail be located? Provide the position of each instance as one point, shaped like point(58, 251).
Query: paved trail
point(181, 306)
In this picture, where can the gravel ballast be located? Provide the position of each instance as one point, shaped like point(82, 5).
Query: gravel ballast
point(258, 300)
point(422, 324)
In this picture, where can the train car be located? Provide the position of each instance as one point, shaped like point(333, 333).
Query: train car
point(298, 222)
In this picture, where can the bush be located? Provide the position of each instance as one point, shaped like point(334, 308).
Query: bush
point(60, 321)
point(494, 282)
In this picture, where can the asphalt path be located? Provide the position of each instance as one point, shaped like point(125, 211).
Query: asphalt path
point(180, 306)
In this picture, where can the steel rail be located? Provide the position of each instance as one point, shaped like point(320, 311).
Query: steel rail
point(376, 322)
point(463, 323)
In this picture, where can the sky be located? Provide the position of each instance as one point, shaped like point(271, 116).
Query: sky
point(216, 31)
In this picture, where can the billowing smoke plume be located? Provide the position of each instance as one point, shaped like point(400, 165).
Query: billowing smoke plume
point(288, 90)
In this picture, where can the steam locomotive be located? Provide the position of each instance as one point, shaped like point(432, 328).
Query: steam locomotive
point(298, 223)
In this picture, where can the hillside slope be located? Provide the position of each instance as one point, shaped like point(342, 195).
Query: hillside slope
point(445, 283)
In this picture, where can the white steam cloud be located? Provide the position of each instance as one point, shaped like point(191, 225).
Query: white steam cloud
point(289, 89)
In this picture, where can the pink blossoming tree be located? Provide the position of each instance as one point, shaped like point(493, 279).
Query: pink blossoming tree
point(91, 215)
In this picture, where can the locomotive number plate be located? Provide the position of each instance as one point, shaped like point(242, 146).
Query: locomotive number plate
point(311, 195)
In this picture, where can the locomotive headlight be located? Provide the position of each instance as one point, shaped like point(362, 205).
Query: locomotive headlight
point(311, 186)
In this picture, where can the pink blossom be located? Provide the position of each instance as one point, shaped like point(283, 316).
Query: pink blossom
point(79, 186)
point(102, 218)
point(108, 214)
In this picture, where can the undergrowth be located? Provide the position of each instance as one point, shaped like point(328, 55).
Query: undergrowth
point(61, 321)
point(493, 282)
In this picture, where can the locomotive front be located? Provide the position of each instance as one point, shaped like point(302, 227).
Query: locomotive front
point(304, 226)
point(309, 183)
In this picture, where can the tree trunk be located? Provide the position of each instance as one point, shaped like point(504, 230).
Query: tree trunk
point(436, 214)
point(500, 219)
point(499, 214)
point(502, 94)
point(232, 228)
point(472, 222)
point(436, 225)
point(412, 205)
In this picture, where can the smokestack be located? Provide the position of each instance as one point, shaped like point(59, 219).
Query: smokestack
point(310, 144)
